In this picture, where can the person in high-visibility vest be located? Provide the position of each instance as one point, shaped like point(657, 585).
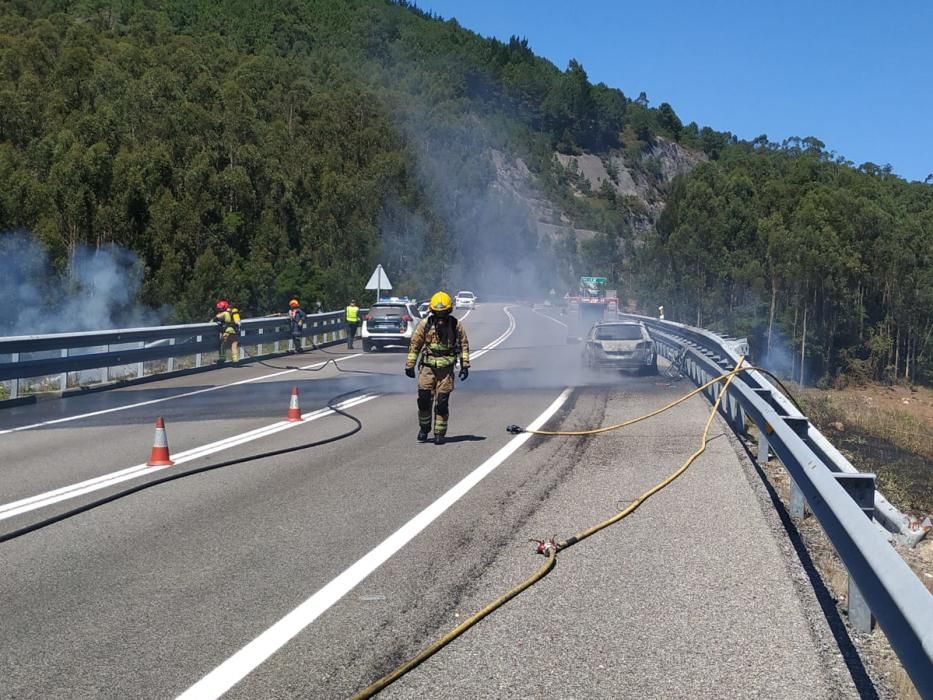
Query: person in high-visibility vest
point(352, 317)
point(437, 344)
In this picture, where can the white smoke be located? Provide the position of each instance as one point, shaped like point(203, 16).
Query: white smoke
point(780, 358)
point(491, 243)
point(98, 291)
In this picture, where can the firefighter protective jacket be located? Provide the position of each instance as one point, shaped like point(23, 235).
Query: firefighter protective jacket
point(434, 350)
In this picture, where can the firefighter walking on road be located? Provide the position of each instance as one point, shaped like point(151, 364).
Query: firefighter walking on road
point(229, 321)
point(437, 344)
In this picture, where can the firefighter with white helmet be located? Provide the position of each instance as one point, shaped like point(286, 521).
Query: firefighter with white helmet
point(437, 344)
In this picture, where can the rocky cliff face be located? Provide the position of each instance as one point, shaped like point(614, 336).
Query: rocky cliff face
point(641, 185)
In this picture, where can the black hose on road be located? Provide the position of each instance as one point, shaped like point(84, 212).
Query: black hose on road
point(200, 470)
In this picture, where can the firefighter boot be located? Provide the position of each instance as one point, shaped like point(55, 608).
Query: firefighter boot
point(425, 399)
point(441, 414)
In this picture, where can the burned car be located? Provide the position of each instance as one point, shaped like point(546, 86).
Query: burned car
point(620, 345)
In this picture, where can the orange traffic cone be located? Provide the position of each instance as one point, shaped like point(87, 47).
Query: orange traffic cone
point(294, 413)
point(159, 455)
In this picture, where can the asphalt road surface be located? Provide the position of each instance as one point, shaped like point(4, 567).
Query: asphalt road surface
point(312, 573)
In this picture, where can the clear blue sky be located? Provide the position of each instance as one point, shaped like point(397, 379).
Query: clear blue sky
point(858, 75)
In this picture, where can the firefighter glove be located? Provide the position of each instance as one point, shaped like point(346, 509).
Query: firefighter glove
point(464, 373)
point(410, 372)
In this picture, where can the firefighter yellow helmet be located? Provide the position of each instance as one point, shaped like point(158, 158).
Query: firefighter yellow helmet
point(441, 303)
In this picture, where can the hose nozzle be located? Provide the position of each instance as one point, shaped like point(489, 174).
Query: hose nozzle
point(545, 546)
point(514, 429)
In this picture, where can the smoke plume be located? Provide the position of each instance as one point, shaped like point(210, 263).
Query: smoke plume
point(98, 291)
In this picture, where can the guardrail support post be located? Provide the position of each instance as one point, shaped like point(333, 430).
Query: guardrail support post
point(798, 504)
point(63, 378)
point(738, 416)
point(14, 383)
point(139, 365)
point(862, 489)
point(171, 360)
point(197, 356)
point(763, 453)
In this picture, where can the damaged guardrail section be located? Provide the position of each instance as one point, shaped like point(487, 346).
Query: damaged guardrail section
point(53, 357)
point(881, 585)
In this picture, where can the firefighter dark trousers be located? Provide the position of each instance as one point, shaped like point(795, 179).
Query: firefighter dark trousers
point(434, 387)
point(427, 400)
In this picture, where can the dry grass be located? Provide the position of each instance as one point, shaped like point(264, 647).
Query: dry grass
point(874, 648)
point(899, 415)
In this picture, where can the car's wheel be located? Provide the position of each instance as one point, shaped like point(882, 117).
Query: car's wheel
point(367, 346)
point(652, 369)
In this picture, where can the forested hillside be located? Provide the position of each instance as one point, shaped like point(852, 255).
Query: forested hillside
point(813, 258)
point(257, 150)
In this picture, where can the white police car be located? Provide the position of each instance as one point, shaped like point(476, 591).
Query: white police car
point(389, 321)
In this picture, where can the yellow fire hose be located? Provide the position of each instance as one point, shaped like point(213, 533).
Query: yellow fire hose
point(550, 548)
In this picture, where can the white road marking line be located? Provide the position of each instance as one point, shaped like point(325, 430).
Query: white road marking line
point(65, 493)
point(173, 397)
point(243, 662)
point(551, 318)
point(501, 339)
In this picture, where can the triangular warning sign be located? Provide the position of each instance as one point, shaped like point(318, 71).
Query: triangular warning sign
point(379, 280)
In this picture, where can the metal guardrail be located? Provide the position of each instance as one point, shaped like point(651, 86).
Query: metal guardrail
point(128, 349)
point(880, 582)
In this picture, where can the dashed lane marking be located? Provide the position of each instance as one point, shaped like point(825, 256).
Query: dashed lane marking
point(81, 488)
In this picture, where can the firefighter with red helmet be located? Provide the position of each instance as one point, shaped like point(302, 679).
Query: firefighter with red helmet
point(437, 344)
point(296, 320)
point(228, 318)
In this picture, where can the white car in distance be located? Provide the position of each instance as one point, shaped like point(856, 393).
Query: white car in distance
point(465, 300)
